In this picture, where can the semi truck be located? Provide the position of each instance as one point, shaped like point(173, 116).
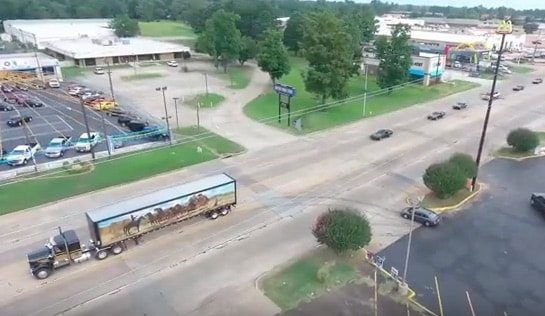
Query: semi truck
point(112, 225)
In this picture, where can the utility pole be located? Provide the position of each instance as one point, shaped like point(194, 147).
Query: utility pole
point(176, 110)
point(504, 29)
point(87, 128)
point(404, 285)
point(198, 117)
point(109, 72)
point(536, 43)
point(365, 92)
point(206, 84)
point(163, 89)
point(38, 65)
point(437, 69)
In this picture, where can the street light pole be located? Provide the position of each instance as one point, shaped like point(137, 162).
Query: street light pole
point(162, 89)
point(109, 71)
point(87, 129)
point(504, 29)
point(365, 92)
point(437, 69)
point(408, 253)
point(38, 65)
point(176, 110)
point(535, 49)
point(206, 84)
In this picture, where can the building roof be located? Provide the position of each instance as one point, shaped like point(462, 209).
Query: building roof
point(25, 61)
point(110, 47)
point(59, 28)
point(434, 20)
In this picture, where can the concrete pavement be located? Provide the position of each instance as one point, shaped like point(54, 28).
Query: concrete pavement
point(183, 268)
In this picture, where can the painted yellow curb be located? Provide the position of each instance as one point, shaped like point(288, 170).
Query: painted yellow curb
point(521, 158)
point(462, 202)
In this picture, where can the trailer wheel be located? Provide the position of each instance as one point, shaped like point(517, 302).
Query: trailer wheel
point(214, 215)
point(101, 254)
point(225, 211)
point(42, 273)
point(117, 249)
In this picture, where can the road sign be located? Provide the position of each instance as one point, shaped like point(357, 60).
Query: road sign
point(284, 89)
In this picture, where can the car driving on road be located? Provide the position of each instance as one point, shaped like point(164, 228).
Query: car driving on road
point(537, 81)
point(436, 115)
point(54, 83)
point(460, 106)
point(486, 96)
point(382, 133)
point(16, 121)
point(172, 63)
point(421, 215)
point(518, 88)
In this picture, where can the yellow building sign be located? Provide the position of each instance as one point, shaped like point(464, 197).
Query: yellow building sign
point(505, 27)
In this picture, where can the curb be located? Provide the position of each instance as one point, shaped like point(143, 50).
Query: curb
point(412, 293)
point(459, 204)
point(521, 158)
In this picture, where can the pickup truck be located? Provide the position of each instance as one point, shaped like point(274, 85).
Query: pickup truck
point(58, 146)
point(21, 154)
point(86, 142)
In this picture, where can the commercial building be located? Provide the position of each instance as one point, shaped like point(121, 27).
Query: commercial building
point(88, 52)
point(31, 63)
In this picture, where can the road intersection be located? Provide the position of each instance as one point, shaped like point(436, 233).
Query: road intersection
point(195, 268)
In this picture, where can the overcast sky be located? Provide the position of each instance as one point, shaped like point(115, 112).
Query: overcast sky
point(521, 4)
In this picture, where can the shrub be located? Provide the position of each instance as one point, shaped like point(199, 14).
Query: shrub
point(465, 162)
point(522, 140)
point(444, 179)
point(342, 230)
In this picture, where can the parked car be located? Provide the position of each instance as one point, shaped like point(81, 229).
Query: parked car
point(137, 126)
point(22, 154)
point(537, 81)
point(98, 71)
point(5, 107)
point(75, 90)
point(172, 63)
point(486, 96)
point(537, 200)
point(10, 98)
point(7, 88)
point(54, 83)
point(518, 88)
point(58, 146)
point(436, 115)
point(16, 121)
point(33, 103)
point(21, 87)
point(123, 120)
point(459, 105)
point(116, 112)
point(382, 133)
point(20, 98)
point(421, 215)
point(87, 141)
point(103, 105)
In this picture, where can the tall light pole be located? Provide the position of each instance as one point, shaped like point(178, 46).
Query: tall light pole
point(437, 69)
point(38, 65)
point(504, 28)
point(176, 109)
point(365, 91)
point(536, 43)
point(87, 128)
point(414, 206)
point(206, 84)
point(163, 89)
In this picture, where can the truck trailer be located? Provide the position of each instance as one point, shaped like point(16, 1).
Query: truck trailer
point(112, 225)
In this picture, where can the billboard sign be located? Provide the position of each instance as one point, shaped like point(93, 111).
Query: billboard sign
point(284, 89)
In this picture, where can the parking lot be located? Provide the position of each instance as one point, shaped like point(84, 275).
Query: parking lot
point(491, 251)
point(60, 115)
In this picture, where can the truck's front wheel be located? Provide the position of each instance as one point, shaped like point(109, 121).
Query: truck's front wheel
point(102, 254)
point(42, 273)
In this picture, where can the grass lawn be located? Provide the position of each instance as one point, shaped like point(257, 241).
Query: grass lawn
point(207, 101)
point(490, 76)
point(265, 107)
point(54, 186)
point(238, 77)
point(140, 76)
point(521, 69)
point(165, 28)
point(432, 202)
point(214, 143)
point(298, 281)
point(71, 72)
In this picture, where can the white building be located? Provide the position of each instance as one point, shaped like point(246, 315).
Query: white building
point(31, 63)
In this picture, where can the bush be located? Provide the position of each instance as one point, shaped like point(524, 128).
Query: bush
point(444, 179)
point(465, 162)
point(342, 230)
point(522, 140)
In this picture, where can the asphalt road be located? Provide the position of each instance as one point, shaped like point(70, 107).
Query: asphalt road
point(60, 115)
point(493, 249)
point(192, 269)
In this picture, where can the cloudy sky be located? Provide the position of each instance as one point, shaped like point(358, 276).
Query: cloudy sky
point(523, 4)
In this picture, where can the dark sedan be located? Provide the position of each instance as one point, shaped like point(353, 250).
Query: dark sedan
point(421, 215)
point(537, 200)
point(4, 107)
point(33, 103)
point(436, 115)
point(19, 120)
point(382, 133)
point(459, 106)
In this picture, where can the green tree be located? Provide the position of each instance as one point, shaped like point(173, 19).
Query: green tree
point(523, 140)
point(273, 57)
point(329, 54)
point(221, 39)
point(342, 230)
point(444, 179)
point(530, 28)
point(465, 163)
point(124, 26)
point(394, 56)
point(248, 49)
point(293, 34)
point(255, 16)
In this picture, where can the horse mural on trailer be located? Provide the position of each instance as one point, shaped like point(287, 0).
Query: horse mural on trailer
point(134, 223)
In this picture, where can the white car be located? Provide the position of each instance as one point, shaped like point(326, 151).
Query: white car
point(22, 154)
point(54, 83)
point(172, 63)
point(86, 143)
point(99, 71)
